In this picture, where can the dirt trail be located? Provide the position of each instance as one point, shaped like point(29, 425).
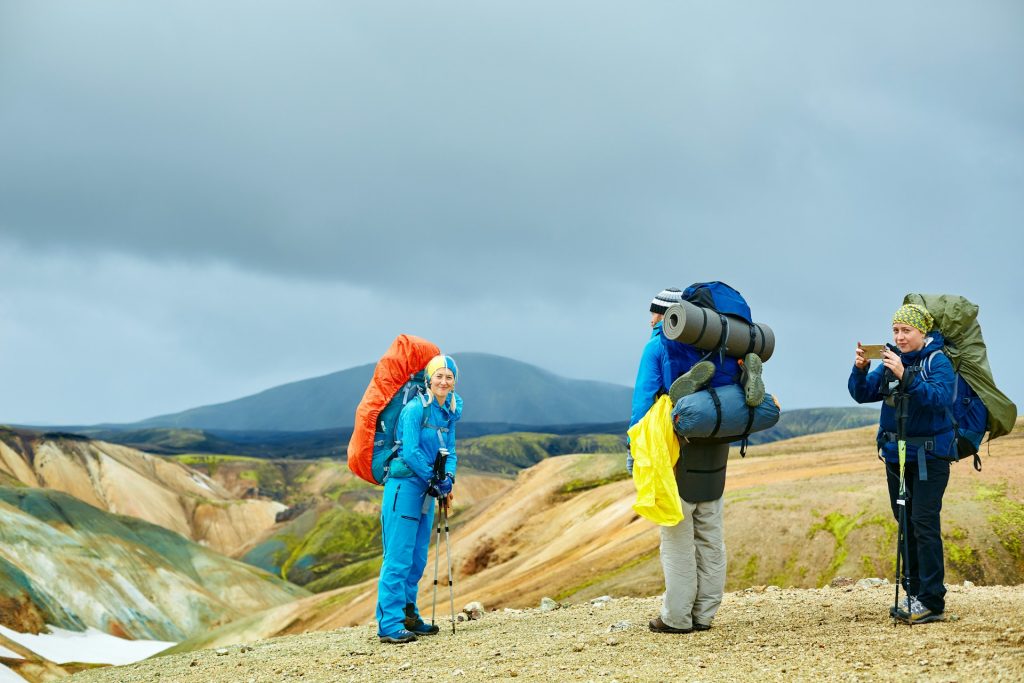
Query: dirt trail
point(759, 635)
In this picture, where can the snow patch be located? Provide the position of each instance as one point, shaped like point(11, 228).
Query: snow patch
point(202, 483)
point(90, 647)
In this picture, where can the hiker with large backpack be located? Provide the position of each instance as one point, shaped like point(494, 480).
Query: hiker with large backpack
point(930, 418)
point(422, 469)
point(692, 536)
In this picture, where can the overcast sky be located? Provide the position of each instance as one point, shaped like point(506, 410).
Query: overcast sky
point(200, 200)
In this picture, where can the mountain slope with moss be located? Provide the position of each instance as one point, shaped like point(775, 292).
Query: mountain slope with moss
point(66, 563)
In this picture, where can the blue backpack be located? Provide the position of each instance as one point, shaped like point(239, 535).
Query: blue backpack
point(719, 297)
point(385, 445)
point(968, 415)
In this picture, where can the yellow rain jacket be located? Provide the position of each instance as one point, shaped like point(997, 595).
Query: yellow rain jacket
point(655, 449)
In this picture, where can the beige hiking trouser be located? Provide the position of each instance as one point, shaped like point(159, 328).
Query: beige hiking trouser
point(693, 559)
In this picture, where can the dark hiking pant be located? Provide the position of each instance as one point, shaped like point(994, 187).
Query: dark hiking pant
point(924, 565)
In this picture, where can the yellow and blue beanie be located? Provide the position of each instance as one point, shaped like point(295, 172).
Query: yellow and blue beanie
point(435, 364)
point(438, 362)
point(915, 316)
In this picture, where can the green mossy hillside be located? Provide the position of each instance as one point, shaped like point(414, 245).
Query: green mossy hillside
point(329, 541)
point(509, 453)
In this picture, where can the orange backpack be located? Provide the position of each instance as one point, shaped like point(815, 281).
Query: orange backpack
point(396, 380)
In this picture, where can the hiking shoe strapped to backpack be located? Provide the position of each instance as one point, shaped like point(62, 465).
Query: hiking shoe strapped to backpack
point(918, 614)
point(691, 381)
point(751, 381)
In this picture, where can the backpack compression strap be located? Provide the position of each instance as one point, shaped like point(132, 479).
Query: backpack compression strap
point(924, 368)
point(718, 411)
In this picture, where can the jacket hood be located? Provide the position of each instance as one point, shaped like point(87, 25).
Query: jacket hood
point(933, 341)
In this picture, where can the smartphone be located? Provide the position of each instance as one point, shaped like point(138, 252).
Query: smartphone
point(873, 351)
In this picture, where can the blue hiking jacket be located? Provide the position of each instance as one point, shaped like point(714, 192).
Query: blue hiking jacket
point(931, 394)
point(663, 361)
point(420, 442)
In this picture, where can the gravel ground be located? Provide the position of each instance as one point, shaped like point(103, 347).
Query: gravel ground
point(760, 634)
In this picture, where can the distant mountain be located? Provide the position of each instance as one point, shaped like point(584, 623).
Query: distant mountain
point(495, 389)
point(804, 421)
point(330, 443)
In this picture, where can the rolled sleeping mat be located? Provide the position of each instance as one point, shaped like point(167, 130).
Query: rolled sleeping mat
point(703, 328)
point(697, 417)
point(700, 471)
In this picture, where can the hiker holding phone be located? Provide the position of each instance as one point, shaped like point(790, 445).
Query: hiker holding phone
point(916, 386)
point(423, 471)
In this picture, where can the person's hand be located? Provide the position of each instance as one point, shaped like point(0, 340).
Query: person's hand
point(893, 362)
point(860, 361)
point(444, 486)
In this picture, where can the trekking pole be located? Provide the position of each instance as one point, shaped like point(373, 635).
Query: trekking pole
point(439, 463)
point(437, 555)
point(448, 554)
point(901, 502)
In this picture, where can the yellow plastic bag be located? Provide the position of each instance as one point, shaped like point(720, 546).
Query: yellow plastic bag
point(655, 449)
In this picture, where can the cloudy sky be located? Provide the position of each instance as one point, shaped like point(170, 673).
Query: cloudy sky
point(200, 200)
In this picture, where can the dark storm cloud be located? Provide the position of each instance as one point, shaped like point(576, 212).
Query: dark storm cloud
point(218, 197)
point(328, 140)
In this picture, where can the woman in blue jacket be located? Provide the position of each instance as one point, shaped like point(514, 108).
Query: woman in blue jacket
point(924, 376)
point(426, 430)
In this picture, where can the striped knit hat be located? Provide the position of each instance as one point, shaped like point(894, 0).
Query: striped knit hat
point(915, 316)
point(436, 363)
point(665, 298)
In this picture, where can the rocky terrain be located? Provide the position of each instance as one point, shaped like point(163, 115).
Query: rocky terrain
point(760, 634)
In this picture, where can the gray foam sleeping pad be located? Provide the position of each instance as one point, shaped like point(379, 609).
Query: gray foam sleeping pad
point(700, 327)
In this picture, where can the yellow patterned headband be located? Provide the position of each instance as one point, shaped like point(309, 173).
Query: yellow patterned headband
point(915, 316)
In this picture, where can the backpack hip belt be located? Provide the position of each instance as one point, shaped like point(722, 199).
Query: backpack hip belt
point(922, 444)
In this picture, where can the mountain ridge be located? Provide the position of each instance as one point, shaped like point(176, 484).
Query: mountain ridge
point(486, 381)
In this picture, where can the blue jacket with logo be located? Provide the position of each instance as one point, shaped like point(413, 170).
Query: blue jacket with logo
point(420, 442)
point(663, 361)
point(930, 392)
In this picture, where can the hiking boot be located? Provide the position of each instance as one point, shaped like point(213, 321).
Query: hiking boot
point(692, 380)
point(400, 636)
point(701, 627)
point(422, 628)
point(750, 380)
point(919, 614)
point(904, 606)
point(414, 623)
point(659, 626)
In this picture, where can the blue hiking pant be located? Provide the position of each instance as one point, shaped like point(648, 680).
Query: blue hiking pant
point(407, 515)
point(925, 569)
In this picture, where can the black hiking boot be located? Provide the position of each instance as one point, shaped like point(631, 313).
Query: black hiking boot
point(692, 380)
point(750, 380)
point(414, 623)
point(701, 627)
point(659, 626)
